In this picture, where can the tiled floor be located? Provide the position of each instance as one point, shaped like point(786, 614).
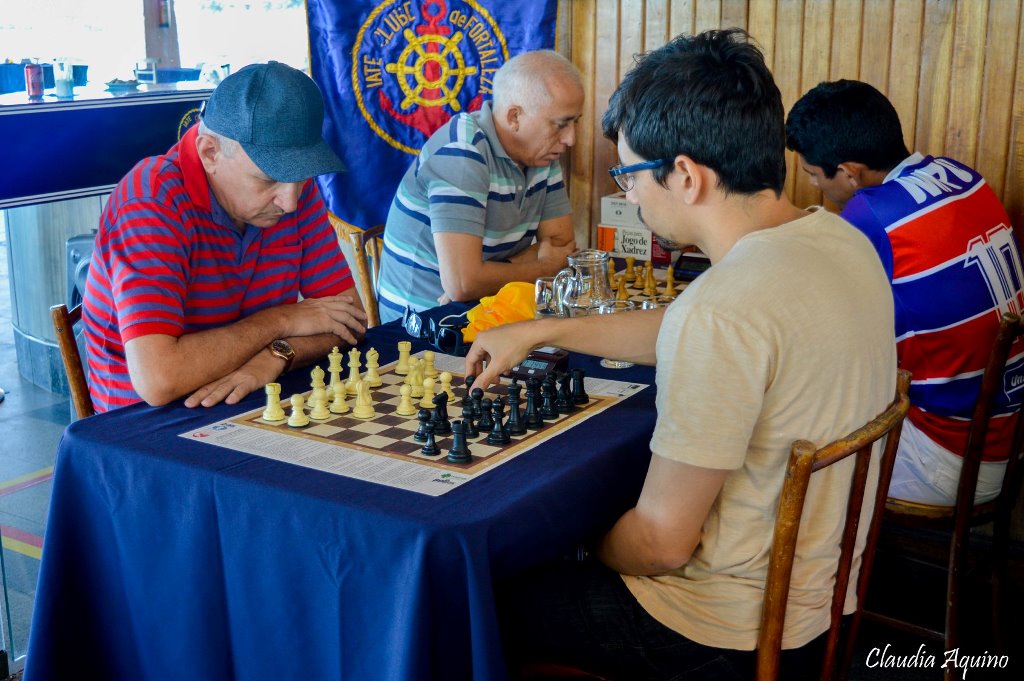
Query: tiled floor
point(31, 422)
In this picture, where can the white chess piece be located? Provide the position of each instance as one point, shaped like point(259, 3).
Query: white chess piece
point(364, 403)
point(273, 412)
point(428, 394)
point(353, 377)
point(334, 368)
point(446, 385)
point(372, 362)
point(404, 348)
point(320, 412)
point(429, 370)
point(339, 405)
point(416, 377)
point(318, 386)
point(298, 417)
point(405, 405)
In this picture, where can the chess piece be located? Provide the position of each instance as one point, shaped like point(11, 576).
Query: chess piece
point(430, 448)
point(318, 386)
point(416, 377)
point(428, 393)
point(405, 405)
point(404, 348)
point(423, 416)
point(446, 386)
point(579, 395)
point(372, 363)
point(498, 435)
point(298, 418)
point(364, 403)
point(429, 370)
point(470, 380)
point(650, 283)
point(353, 367)
point(334, 359)
point(486, 421)
point(515, 425)
point(620, 291)
point(670, 282)
point(564, 403)
point(467, 418)
point(273, 412)
point(532, 417)
point(611, 273)
point(476, 399)
point(440, 415)
point(548, 410)
point(460, 451)
point(320, 412)
point(340, 404)
point(629, 274)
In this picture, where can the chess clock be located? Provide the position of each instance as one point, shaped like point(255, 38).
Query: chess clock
point(540, 362)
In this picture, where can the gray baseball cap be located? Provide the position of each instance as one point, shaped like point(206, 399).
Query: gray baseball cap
point(277, 114)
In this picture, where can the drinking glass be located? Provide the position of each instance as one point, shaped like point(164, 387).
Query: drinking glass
point(612, 307)
point(655, 302)
point(544, 297)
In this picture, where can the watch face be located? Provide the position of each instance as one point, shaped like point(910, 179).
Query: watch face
point(282, 347)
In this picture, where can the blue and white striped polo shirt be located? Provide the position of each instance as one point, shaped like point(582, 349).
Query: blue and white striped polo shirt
point(462, 181)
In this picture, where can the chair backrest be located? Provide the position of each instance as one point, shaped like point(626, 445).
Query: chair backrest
point(366, 249)
point(64, 321)
point(805, 459)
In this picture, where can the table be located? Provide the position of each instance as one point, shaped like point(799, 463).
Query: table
point(165, 558)
point(12, 76)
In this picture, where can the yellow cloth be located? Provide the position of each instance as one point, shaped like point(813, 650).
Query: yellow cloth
point(512, 303)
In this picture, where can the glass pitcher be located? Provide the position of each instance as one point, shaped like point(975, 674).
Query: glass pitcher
point(583, 285)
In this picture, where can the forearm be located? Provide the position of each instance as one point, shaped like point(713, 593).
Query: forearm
point(630, 548)
point(467, 283)
point(630, 336)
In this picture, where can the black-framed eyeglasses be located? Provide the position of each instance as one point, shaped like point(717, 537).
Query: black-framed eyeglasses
point(623, 175)
point(444, 335)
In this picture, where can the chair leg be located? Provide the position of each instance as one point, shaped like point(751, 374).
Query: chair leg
point(1000, 539)
point(954, 588)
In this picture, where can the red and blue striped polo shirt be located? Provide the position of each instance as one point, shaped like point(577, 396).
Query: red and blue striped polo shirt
point(169, 260)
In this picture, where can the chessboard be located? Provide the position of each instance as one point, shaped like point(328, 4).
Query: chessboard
point(390, 435)
point(642, 283)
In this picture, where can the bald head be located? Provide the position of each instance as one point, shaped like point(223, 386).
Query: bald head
point(530, 79)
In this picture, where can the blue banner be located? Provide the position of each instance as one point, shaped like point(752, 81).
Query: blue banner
point(393, 72)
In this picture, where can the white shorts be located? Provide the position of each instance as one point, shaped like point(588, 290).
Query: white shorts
point(928, 473)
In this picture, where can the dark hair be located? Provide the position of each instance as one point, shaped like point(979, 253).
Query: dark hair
point(710, 97)
point(846, 120)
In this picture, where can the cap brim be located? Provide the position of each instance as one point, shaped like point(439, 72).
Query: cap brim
point(294, 164)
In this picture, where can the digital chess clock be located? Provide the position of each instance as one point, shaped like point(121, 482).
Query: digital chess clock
point(541, 362)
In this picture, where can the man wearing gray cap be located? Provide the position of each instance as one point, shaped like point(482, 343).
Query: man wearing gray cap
point(215, 267)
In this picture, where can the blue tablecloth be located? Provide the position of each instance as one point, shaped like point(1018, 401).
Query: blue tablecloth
point(171, 559)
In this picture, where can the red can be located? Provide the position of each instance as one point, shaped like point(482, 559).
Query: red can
point(34, 81)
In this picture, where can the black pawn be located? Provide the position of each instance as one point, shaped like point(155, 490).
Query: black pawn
point(469, 383)
point(477, 396)
point(485, 422)
point(532, 415)
point(430, 449)
point(548, 410)
point(423, 416)
point(442, 426)
point(498, 435)
point(459, 452)
point(579, 395)
point(564, 402)
point(467, 418)
point(514, 425)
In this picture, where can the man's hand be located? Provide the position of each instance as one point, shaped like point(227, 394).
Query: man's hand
point(501, 348)
point(339, 315)
point(263, 368)
point(555, 256)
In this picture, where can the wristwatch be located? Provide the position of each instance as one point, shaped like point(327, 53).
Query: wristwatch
point(283, 349)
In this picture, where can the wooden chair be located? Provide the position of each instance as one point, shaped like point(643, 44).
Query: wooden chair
point(805, 459)
point(366, 247)
point(64, 321)
point(961, 517)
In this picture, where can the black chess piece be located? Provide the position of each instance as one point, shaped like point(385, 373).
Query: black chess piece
point(442, 426)
point(532, 415)
point(564, 402)
point(498, 434)
point(477, 396)
point(431, 448)
point(548, 410)
point(469, 383)
point(423, 416)
point(459, 452)
point(514, 425)
point(467, 418)
point(579, 395)
point(486, 422)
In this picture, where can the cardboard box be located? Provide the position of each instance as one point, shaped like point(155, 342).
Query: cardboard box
point(615, 210)
point(635, 242)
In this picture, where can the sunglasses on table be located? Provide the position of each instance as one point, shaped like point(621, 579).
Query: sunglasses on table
point(444, 335)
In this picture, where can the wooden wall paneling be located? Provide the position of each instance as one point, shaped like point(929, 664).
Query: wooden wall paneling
point(761, 26)
point(656, 31)
point(682, 17)
point(631, 33)
point(606, 78)
point(1001, 51)
point(876, 38)
point(789, 39)
point(707, 15)
point(847, 23)
point(1013, 190)
point(815, 67)
point(584, 54)
point(734, 14)
point(933, 84)
point(966, 78)
point(905, 64)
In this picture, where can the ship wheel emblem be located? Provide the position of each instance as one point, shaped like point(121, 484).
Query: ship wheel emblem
point(425, 81)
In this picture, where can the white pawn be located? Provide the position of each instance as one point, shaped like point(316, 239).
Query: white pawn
point(404, 348)
point(446, 385)
point(364, 403)
point(320, 412)
point(318, 386)
point(298, 418)
point(405, 405)
point(353, 376)
point(429, 370)
point(273, 412)
point(428, 394)
point(339, 405)
point(372, 377)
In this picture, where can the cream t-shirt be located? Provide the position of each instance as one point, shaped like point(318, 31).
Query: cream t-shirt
point(789, 336)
